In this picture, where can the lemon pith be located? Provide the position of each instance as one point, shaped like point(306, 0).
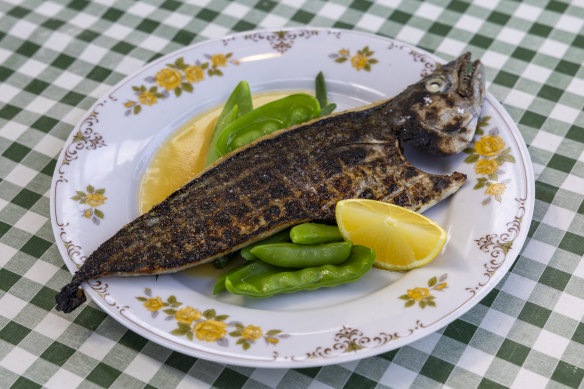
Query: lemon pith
point(401, 238)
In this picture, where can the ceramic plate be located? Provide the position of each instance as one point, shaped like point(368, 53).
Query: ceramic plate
point(94, 193)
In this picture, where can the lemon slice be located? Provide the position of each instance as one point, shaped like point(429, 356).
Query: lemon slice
point(402, 239)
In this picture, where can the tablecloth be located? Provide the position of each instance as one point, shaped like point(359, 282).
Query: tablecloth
point(58, 57)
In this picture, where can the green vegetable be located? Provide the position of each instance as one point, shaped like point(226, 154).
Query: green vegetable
point(303, 255)
point(314, 233)
point(223, 261)
point(260, 279)
point(282, 236)
point(278, 114)
point(220, 283)
point(238, 104)
point(320, 91)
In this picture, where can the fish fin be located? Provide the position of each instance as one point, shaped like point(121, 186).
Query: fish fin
point(70, 297)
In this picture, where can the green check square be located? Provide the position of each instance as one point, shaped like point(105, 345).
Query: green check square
point(559, 162)
point(242, 25)
point(18, 12)
point(53, 24)
point(576, 133)
point(302, 16)
point(36, 87)
point(134, 341)
point(14, 332)
point(180, 362)
point(72, 98)
point(523, 54)
point(545, 192)
point(361, 5)
point(568, 374)
point(557, 6)
point(184, 37)
point(506, 79)
point(540, 30)
point(49, 168)
point(481, 41)
point(90, 318)
point(99, 73)
point(5, 73)
point(311, 372)
point(148, 25)
point(45, 124)
point(9, 111)
point(87, 35)
point(24, 383)
point(437, 369)
point(78, 5)
point(358, 381)
point(28, 49)
point(534, 314)
point(103, 375)
point(440, 29)
point(207, 15)
point(461, 331)
point(63, 61)
point(7, 279)
point(171, 5)
point(45, 298)
point(16, 152)
point(550, 93)
point(578, 41)
point(112, 14)
point(229, 379)
point(4, 227)
point(572, 243)
point(532, 119)
point(57, 353)
point(555, 278)
point(488, 384)
point(36, 246)
point(400, 17)
point(123, 47)
point(458, 6)
point(266, 5)
point(579, 333)
point(498, 18)
point(567, 67)
point(26, 198)
point(513, 352)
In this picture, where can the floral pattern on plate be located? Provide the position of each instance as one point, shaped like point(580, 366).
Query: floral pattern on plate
point(423, 295)
point(207, 325)
point(93, 198)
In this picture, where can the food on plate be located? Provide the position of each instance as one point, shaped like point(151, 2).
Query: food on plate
point(298, 175)
point(313, 233)
point(303, 255)
point(261, 279)
point(402, 239)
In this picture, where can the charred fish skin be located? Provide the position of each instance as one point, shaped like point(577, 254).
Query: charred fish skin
point(289, 177)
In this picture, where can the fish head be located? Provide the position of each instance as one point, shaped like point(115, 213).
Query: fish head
point(444, 107)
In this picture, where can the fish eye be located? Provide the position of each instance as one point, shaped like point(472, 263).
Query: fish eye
point(436, 84)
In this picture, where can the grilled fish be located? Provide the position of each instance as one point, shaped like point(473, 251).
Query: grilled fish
point(297, 175)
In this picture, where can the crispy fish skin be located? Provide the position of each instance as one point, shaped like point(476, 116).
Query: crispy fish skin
point(297, 175)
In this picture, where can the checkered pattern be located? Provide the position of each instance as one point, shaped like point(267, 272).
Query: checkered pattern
point(57, 57)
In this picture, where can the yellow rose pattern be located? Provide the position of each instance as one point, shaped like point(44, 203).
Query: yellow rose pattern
point(360, 61)
point(207, 325)
point(91, 199)
point(176, 78)
point(489, 153)
point(423, 295)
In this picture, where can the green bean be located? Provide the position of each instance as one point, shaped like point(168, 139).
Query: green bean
point(303, 255)
point(260, 279)
point(282, 236)
point(313, 233)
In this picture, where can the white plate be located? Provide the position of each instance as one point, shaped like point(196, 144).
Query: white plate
point(94, 193)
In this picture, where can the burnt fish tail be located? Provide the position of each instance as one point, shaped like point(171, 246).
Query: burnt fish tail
point(289, 177)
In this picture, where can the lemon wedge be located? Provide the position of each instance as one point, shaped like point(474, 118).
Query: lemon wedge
point(402, 239)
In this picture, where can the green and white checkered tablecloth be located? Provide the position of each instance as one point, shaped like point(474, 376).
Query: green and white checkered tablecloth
point(57, 57)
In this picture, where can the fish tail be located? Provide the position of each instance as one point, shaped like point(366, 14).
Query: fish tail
point(70, 297)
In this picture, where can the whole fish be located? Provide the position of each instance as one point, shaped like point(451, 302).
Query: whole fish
point(297, 175)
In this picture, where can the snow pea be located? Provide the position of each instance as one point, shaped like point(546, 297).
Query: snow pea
point(278, 114)
point(282, 236)
point(238, 104)
point(260, 279)
point(303, 255)
point(313, 233)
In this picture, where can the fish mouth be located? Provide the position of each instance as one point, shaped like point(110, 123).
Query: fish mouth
point(470, 81)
